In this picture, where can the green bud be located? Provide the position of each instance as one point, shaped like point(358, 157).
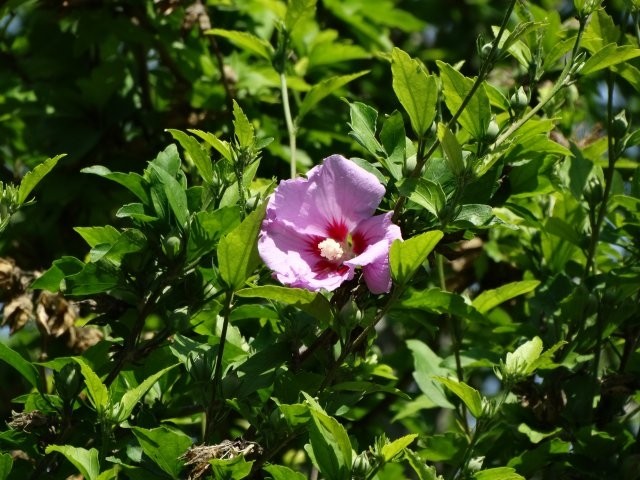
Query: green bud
point(171, 247)
point(492, 131)
point(485, 50)
point(586, 7)
point(361, 466)
point(475, 464)
point(519, 100)
point(409, 164)
point(620, 125)
point(593, 192)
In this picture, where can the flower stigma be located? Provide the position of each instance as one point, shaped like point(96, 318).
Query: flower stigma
point(330, 249)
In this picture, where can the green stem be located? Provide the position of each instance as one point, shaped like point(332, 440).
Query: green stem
point(217, 375)
point(456, 331)
point(291, 128)
point(602, 210)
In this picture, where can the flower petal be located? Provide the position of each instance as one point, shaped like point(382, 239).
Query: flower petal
point(330, 202)
point(345, 192)
point(372, 240)
point(295, 261)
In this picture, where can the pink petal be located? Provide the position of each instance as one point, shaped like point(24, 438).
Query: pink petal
point(345, 192)
point(294, 259)
point(330, 202)
point(372, 239)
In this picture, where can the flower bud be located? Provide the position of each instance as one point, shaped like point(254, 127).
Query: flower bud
point(593, 192)
point(519, 100)
point(409, 165)
point(492, 131)
point(485, 50)
point(171, 247)
point(586, 7)
point(475, 464)
point(619, 125)
point(361, 466)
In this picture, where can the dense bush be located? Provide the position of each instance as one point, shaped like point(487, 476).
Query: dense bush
point(146, 337)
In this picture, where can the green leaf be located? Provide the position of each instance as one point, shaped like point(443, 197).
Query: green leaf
point(51, 279)
point(451, 148)
point(168, 160)
point(246, 41)
point(21, 365)
point(536, 436)
point(6, 464)
point(296, 10)
point(207, 228)
point(221, 146)
point(523, 359)
point(135, 211)
point(195, 152)
point(97, 235)
point(426, 193)
point(363, 126)
point(331, 446)
point(394, 141)
point(238, 250)
point(133, 182)
point(164, 446)
point(311, 302)
point(438, 301)
point(469, 395)
point(230, 469)
point(500, 473)
point(93, 278)
point(296, 414)
point(522, 29)
point(405, 257)
point(489, 299)
point(476, 116)
point(242, 127)
point(278, 472)
point(129, 241)
point(610, 54)
point(98, 393)
point(32, 178)
point(420, 467)
point(427, 365)
point(390, 450)
point(416, 90)
point(474, 215)
point(122, 410)
point(168, 188)
point(323, 89)
point(560, 228)
point(86, 461)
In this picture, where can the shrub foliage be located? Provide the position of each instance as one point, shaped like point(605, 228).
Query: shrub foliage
point(146, 339)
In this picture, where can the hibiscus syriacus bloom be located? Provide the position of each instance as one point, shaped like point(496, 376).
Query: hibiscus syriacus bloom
point(318, 230)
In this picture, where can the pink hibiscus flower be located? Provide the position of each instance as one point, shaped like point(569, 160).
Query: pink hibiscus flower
point(318, 230)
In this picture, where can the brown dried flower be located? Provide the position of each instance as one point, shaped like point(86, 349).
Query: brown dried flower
point(17, 312)
point(198, 456)
point(54, 314)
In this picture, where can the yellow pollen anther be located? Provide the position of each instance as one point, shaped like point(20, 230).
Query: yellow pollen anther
point(330, 249)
